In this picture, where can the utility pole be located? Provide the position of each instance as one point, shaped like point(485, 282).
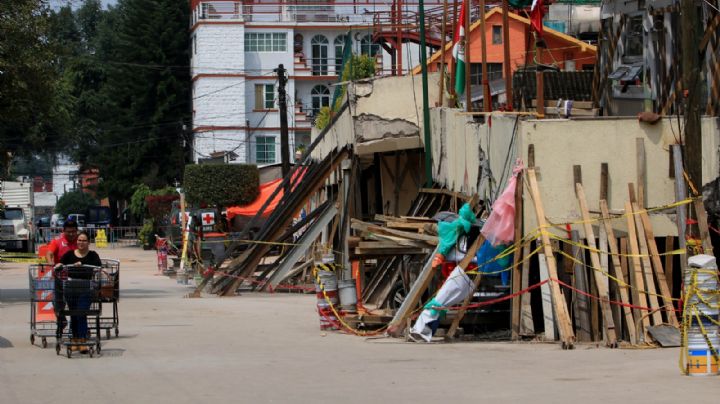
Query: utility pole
point(282, 102)
point(691, 86)
point(425, 98)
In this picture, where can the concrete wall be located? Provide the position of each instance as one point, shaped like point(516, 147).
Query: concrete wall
point(559, 145)
point(218, 49)
point(387, 116)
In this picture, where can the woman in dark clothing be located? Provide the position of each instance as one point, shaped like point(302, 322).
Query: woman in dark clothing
point(80, 257)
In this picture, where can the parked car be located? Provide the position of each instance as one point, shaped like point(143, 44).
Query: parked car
point(43, 221)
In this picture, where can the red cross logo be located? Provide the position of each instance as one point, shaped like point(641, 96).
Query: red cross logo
point(209, 218)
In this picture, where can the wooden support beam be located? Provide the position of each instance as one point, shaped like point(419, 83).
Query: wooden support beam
point(703, 226)
point(527, 327)
point(397, 325)
point(547, 299)
point(600, 278)
point(517, 257)
point(641, 165)
point(647, 268)
point(618, 272)
point(469, 255)
point(581, 304)
point(638, 285)
point(669, 261)
point(567, 336)
point(665, 292)
point(680, 195)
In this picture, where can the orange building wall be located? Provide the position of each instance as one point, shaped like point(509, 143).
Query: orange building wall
point(521, 48)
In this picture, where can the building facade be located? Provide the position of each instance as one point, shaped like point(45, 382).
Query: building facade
point(236, 47)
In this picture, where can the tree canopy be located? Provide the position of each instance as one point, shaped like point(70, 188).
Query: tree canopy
point(109, 87)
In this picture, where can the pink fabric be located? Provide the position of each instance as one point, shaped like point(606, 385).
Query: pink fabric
point(500, 225)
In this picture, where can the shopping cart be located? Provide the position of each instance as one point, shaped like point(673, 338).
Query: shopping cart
point(110, 293)
point(77, 294)
point(43, 322)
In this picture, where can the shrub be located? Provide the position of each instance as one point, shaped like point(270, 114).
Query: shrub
point(323, 118)
point(221, 184)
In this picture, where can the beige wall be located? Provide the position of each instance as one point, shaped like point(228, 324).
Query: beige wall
point(559, 145)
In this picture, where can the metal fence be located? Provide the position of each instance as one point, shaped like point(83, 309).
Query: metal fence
point(122, 236)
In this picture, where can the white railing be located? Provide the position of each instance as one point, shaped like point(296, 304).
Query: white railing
point(358, 13)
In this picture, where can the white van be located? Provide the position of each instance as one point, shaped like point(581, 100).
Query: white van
point(57, 220)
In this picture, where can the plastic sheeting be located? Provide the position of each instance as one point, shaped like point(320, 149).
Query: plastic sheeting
point(500, 225)
point(455, 289)
point(448, 232)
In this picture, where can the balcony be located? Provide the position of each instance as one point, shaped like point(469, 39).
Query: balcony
point(279, 12)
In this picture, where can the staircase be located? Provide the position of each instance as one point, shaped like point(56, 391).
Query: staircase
point(300, 65)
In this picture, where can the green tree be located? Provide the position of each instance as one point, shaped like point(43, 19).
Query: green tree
point(74, 202)
point(146, 97)
point(33, 111)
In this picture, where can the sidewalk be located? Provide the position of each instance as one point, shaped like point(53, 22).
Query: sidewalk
point(259, 348)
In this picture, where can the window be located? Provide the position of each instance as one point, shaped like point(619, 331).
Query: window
point(339, 44)
point(264, 96)
point(367, 47)
point(497, 35)
point(265, 42)
point(495, 72)
point(320, 98)
point(319, 55)
point(634, 39)
point(264, 149)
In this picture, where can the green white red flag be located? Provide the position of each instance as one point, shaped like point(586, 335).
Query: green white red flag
point(459, 50)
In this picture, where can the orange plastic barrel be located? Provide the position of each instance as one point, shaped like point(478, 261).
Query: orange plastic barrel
point(42, 251)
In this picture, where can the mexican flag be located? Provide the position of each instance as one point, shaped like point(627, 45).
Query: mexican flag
point(537, 11)
point(459, 51)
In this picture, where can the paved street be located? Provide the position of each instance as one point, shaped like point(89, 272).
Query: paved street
point(259, 348)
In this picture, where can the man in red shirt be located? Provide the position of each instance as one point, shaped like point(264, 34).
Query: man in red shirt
point(66, 242)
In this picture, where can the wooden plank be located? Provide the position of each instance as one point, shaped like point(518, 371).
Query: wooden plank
point(445, 192)
point(659, 273)
point(547, 300)
point(669, 261)
point(600, 278)
point(567, 335)
point(365, 253)
point(397, 325)
point(360, 225)
point(406, 225)
point(469, 255)
point(517, 257)
point(703, 226)
point(638, 285)
point(527, 327)
point(618, 272)
point(647, 269)
point(604, 180)
point(582, 306)
point(641, 165)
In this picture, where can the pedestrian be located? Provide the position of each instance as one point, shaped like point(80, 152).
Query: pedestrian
point(81, 256)
point(67, 241)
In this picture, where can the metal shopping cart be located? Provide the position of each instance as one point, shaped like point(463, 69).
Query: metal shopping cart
point(43, 322)
point(110, 293)
point(77, 294)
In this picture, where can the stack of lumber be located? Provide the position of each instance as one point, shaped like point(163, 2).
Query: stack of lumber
point(392, 236)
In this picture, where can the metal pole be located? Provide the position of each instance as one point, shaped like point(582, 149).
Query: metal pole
point(425, 97)
point(284, 141)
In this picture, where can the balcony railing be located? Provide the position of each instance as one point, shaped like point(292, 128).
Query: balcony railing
point(274, 12)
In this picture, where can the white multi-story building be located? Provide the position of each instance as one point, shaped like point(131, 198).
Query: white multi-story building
point(236, 45)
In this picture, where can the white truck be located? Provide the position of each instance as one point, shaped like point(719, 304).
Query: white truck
point(16, 221)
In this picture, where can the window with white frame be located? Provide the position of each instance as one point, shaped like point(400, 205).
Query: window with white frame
point(265, 42)
point(320, 96)
point(264, 149)
point(319, 55)
point(367, 47)
point(264, 96)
